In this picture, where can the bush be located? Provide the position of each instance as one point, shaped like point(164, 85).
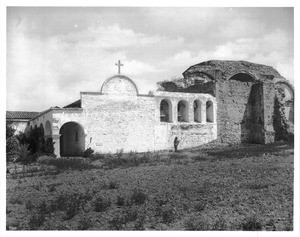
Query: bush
point(45, 160)
point(84, 224)
point(120, 201)
point(251, 224)
point(131, 214)
point(36, 142)
point(195, 223)
point(35, 221)
point(12, 149)
point(113, 185)
point(139, 224)
point(168, 214)
point(70, 203)
point(88, 152)
point(68, 163)
point(48, 148)
point(43, 208)
point(200, 206)
point(131, 159)
point(138, 197)
point(101, 204)
point(24, 156)
point(29, 205)
point(99, 156)
point(117, 222)
point(10, 131)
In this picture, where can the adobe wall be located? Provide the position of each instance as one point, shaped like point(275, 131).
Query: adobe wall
point(119, 122)
point(245, 103)
point(232, 98)
point(132, 123)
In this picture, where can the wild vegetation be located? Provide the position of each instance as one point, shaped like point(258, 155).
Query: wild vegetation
point(246, 187)
point(26, 147)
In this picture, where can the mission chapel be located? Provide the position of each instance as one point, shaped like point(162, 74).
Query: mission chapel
point(225, 101)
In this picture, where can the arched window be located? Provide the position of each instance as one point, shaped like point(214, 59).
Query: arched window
point(209, 112)
point(197, 111)
point(165, 111)
point(183, 112)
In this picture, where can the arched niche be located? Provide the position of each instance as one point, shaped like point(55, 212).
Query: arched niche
point(182, 111)
point(165, 111)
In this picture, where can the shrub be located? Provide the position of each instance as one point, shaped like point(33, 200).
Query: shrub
point(200, 206)
point(101, 204)
point(29, 205)
point(99, 156)
point(113, 185)
point(117, 222)
point(251, 224)
point(138, 197)
point(45, 160)
point(88, 152)
point(139, 224)
point(195, 223)
point(131, 214)
point(43, 208)
point(10, 131)
point(168, 214)
point(130, 160)
point(36, 142)
point(12, 149)
point(220, 224)
point(84, 224)
point(24, 156)
point(70, 203)
point(256, 186)
point(35, 221)
point(120, 153)
point(52, 187)
point(120, 201)
point(48, 148)
point(70, 163)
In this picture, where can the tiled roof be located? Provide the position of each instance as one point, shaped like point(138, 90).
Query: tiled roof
point(76, 104)
point(20, 114)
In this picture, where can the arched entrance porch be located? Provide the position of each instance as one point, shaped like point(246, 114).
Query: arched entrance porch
point(72, 139)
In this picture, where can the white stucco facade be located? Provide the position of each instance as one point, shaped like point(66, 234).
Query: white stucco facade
point(118, 117)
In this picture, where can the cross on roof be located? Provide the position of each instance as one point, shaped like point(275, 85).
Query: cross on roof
point(119, 64)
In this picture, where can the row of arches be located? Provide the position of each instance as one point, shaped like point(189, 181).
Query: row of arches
point(183, 111)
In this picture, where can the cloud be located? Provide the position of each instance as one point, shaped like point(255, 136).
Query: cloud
point(53, 71)
point(241, 27)
point(111, 36)
point(272, 49)
point(47, 66)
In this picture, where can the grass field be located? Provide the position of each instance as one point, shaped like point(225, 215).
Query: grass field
point(230, 188)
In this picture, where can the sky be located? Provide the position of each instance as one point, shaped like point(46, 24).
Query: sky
point(53, 53)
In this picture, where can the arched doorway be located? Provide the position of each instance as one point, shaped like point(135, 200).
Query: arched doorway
point(72, 139)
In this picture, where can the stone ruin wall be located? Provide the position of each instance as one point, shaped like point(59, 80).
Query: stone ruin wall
point(245, 108)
